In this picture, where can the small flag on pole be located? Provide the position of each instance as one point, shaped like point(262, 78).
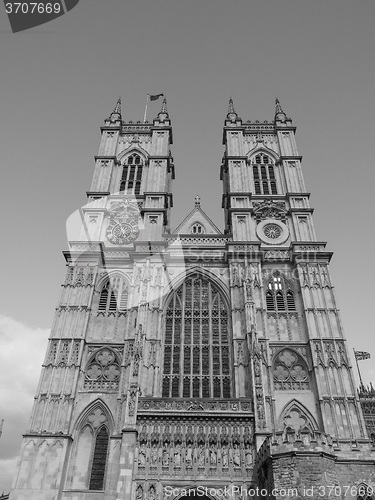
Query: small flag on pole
point(360, 355)
point(155, 97)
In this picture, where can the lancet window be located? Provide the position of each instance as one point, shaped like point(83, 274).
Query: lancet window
point(113, 296)
point(197, 228)
point(131, 177)
point(196, 351)
point(279, 296)
point(89, 459)
point(264, 174)
point(99, 459)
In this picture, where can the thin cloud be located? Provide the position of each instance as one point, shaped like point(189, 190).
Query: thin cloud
point(21, 355)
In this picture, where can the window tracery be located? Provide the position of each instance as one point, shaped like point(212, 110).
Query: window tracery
point(103, 371)
point(196, 352)
point(90, 453)
point(113, 296)
point(279, 296)
point(131, 177)
point(264, 174)
point(290, 371)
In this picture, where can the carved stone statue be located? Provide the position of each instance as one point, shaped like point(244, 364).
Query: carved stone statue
point(213, 457)
point(189, 455)
point(201, 456)
point(154, 455)
point(165, 458)
point(142, 456)
point(248, 455)
point(236, 456)
point(177, 456)
point(224, 457)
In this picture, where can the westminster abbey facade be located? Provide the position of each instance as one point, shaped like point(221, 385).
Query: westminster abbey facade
point(189, 359)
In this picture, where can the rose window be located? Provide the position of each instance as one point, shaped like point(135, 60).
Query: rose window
point(290, 371)
point(272, 231)
point(103, 371)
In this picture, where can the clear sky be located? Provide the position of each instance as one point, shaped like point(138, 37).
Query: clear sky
point(60, 80)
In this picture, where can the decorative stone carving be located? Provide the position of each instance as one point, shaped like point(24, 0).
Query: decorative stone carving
point(290, 371)
point(103, 371)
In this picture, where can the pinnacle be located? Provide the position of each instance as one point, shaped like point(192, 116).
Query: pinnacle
point(231, 106)
point(118, 107)
point(279, 109)
point(164, 106)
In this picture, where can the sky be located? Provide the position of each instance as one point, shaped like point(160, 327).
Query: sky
point(59, 82)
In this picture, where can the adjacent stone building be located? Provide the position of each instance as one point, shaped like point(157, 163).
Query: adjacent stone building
point(193, 361)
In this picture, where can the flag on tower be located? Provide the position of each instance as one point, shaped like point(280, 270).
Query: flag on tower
point(155, 97)
point(360, 355)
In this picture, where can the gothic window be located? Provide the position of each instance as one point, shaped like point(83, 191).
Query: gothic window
point(103, 371)
point(99, 460)
point(132, 175)
point(196, 352)
point(279, 297)
point(264, 174)
point(113, 296)
point(90, 452)
point(290, 371)
point(197, 228)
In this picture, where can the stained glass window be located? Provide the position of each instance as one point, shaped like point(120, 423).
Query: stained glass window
point(196, 351)
point(99, 460)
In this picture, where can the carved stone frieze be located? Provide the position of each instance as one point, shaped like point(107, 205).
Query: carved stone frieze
point(155, 405)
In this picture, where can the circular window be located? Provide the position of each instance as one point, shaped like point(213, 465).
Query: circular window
point(272, 231)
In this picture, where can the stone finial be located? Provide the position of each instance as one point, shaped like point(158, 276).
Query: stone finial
point(232, 115)
point(164, 106)
point(197, 201)
point(279, 112)
point(163, 115)
point(231, 106)
point(118, 107)
point(278, 107)
point(116, 113)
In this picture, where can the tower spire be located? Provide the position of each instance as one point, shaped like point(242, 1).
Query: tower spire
point(163, 114)
point(118, 106)
point(279, 112)
point(116, 113)
point(278, 107)
point(232, 115)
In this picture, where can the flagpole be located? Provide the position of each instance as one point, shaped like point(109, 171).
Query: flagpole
point(144, 119)
point(359, 371)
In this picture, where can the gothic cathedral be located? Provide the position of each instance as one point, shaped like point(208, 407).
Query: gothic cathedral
point(193, 362)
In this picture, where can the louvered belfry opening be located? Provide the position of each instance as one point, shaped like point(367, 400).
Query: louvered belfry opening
point(279, 297)
point(99, 460)
point(196, 351)
point(131, 177)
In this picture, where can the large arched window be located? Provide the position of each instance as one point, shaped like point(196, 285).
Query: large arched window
point(113, 296)
point(196, 350)
point(89, 459)
point(131, 178)
point(264, 174)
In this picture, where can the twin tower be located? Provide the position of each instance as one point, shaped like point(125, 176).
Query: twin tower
point(191, 362)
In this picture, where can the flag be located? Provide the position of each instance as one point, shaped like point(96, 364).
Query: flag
point(155, 97)
point(360, 355)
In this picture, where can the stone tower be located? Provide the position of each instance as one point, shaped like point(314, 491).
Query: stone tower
point(184, 362)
